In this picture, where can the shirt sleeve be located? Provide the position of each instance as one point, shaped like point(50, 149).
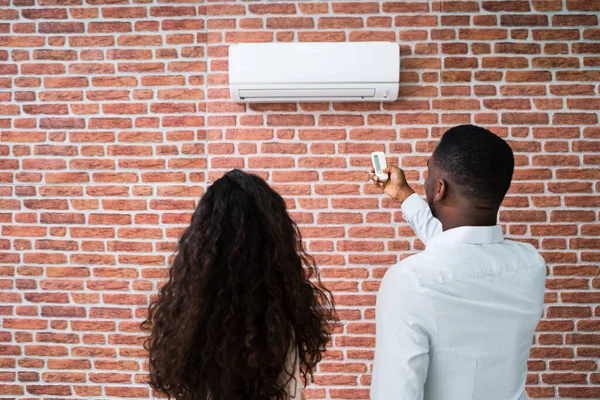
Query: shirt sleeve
point(418, 215)
point(405, 323)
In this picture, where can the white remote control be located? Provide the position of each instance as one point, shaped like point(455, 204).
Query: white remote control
point(379, 165)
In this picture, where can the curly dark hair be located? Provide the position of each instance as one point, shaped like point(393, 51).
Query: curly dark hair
point(242, 295)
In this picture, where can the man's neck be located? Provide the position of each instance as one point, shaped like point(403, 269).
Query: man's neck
point(469, 217)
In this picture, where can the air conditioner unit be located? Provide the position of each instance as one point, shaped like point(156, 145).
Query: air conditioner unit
point(314, 72)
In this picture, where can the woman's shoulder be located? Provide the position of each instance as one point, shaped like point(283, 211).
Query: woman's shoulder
point(294, 383)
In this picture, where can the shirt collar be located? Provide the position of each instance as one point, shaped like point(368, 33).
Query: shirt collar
point(470, 235)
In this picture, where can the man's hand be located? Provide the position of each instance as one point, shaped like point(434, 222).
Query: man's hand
point(396, 186)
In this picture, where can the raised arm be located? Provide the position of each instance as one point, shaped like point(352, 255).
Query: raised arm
point(417, 213)
point(414, 209)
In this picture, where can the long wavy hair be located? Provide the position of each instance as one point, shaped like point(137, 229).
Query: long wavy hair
point(242, 295)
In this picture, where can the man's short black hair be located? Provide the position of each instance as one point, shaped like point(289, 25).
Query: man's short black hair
point(480, 163)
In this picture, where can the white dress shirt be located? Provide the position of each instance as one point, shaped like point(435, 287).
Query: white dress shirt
point(456, 321)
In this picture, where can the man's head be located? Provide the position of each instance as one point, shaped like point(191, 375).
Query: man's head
point(471, 167)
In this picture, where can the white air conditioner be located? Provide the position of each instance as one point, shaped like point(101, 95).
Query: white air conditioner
point(314, 72)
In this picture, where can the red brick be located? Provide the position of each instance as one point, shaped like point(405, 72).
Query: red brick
point(365, 36)
point(340, 22)
point(482, 34)
point(248, 37)
point(456, 20)
point(290, 23)
point(456, 104)
point(524, 118)
point(341, 120)
point(579, 391)
point(556, 48)
point(582, 5)
point(313, 8)
point(555, 34)
point(416, 20)
point(61, 27)
point(273, 8)
point(55, 390)
point(547, 5)
point(567, 378)
point(225, 9)
point(574, 118)
point(405, 6)
point(524, 20)
point(574, 20)
point(517, 48)
point(119, 391)
point(536, 391)
point(124, 12)
point(29, 324)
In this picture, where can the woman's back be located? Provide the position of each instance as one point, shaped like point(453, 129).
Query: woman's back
point(239, 304)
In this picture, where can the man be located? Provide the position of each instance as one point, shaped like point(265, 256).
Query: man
point(456, 321)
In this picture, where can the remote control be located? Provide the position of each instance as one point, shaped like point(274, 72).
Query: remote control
point(379, 165)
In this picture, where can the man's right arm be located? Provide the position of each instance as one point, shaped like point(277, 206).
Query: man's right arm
point(417, 213)
point(414, 209)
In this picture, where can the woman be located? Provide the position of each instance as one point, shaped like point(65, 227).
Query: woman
point(239, 318)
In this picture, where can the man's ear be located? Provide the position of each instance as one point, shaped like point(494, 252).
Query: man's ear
point(441, 191)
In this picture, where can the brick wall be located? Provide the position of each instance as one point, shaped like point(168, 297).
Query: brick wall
point(114, 117)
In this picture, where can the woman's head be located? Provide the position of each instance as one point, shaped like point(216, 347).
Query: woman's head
point(238, 299)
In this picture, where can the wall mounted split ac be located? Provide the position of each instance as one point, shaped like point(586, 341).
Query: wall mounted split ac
point(314, 72)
